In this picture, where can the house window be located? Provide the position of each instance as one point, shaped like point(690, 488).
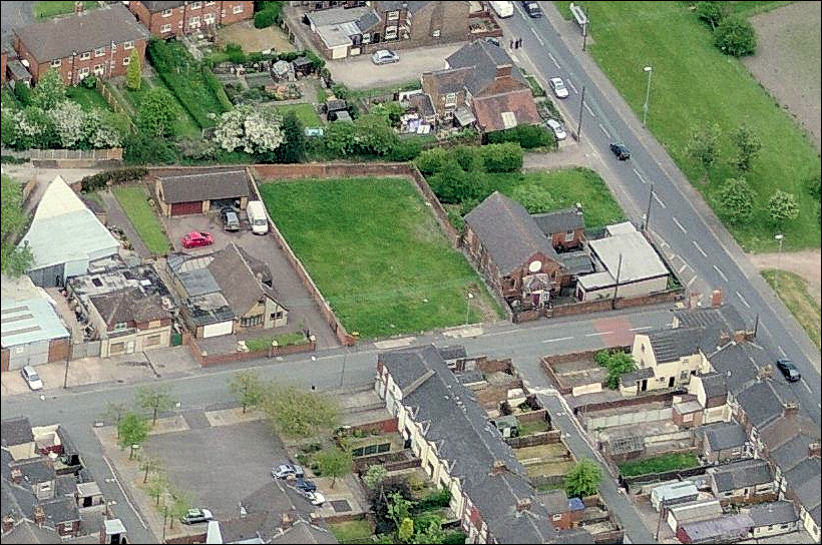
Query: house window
point(556, 516)
point(196, 5)
point(366, 38)
point(688, 418)
point(126, 60)
point(128, 45)
point(82, 72)
point(194, 22)
point(118, 325)
point(436, 33)
point(450, 100)
point(85, 55)
point(569, 236)
point(117, 348)
point(391, 33)
point(165, 28)
point(393, 15)
point(252, 321)
point(166, 13)
point(56, 62)
point(277, 315)
point(153, 340)
point(68, 526)
point(237, 9)
point(100, 51)
point(208, 18)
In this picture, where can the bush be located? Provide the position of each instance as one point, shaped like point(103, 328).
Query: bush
point(316, 61)
point(432, 160)
point(711, 12)
point(89, 82)
point(341, 91)
point(527, 136)
point(217, 89)
point(405, 150)
point(505, 157)
point(735, 36)
point(142, 148)
point(454, 538)
point(435, 500)
point(23, 93)
point(12, 160)
point(270, 14)
point(118, 176)
point(468, 158)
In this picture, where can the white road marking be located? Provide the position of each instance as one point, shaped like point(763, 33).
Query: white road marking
point(808, 388)
point(722, 274)
point(682, 268)
point(588, 109)
point(123, 492)
point(676, 221)
point(692, 280)
point(603, 130)
point(598, 334)
point(571, 85)
point(534, 32)
point(638, 175)
point(557, 340)
point(643, 328)
point(659, 201)
point(698, 247)
point(553, 60)
point(744, 302)
point(782, 350)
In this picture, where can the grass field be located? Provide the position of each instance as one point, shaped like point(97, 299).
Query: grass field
point(659, 464)
point(305, 113)
point(184, 124)
point(87, 98)
point(567, 187)
point(352, 531)
point(793, 290)
point(694, 84)
point(134, 201)
point(377, 255)
point(43, 10)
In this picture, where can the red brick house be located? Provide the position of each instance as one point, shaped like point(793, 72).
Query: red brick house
point(565, 228)
point(97, 42)
point(166, 19)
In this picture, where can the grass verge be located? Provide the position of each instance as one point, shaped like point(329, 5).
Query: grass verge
point(43, 10)
point(284, 339)
point(134, 201)
point(793, 290)
point(659, 464)
point(305, 113)
point(377, 255)
point(352, 531)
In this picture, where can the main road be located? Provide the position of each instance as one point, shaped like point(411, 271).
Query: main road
point(693, 235)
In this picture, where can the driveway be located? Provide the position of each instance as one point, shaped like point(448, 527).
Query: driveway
point(361, 73)
point(300, 304)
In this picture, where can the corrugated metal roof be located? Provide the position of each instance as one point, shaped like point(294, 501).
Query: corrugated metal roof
point(28, 321)
point(69, 237)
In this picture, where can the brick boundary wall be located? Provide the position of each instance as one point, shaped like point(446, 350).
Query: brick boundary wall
point(540, 414)
point(547, 363)
point(544, 438)
point(215, 359)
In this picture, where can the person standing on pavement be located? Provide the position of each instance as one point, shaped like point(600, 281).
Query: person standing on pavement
point(511, 45)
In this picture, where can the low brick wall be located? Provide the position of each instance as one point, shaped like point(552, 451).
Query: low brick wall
point(665, 397)
point(193, 538)
point(215, 359)
point(586, 307)
point(389, 425)
point(391, 461)
point(544, 438)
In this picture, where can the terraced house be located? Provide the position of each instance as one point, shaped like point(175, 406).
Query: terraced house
point(166, 19)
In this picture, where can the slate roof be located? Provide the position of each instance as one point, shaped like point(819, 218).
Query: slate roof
point(556, 501)
point(628, 379)
point(764, 401)
point(726, 317)
point(413, 5)
point(805, 471)
point(35, 470)
point(508, 232)
point(706, 530)
point(449, 80)
point(743, 474)
point(15, 431)
point(423, 103)
point(786, 428)
point(26, 532)
point(237, 281)
point(305, 532)
point(493, 112)
point(485, 58)
point(725, 435)
point(714, 385)
point(560, 221)
point(61, 510)
point(577, 262)
point(772, 513)
point(452, 352)
point(792, 452)
point(155, 6)
point(738, 363)
point(809, 490)
point(128, 305)
point(204, 186)
point(672, 344)
point(58, 37)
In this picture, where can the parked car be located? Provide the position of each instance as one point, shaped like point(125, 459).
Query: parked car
point(305, 485)
point(558, 86)
point(384, 56)
point(532, 9)
point(231, 222)
point(788, 369)
point(284, 471)
point(503, 9)
point(195, 239)
point(620, 151)
point(491, 40)
point(557, 128)
point(195, 516)
point(31, 377)
point(315, 498)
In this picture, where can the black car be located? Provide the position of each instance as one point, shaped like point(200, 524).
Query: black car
point(789, 370)
point(305, 485)
point(493, 41)
point(620, 151)
point(533, 9)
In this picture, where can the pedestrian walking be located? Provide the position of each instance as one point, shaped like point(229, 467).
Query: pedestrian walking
point(519, 43)
point(511, 45)
point(313, 388)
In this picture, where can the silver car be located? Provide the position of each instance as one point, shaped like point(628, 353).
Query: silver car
point(559, 88)
point(31, 377)
point(557, 128)
point(384, 56)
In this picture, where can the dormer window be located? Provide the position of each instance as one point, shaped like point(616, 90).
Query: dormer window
point(393, 15)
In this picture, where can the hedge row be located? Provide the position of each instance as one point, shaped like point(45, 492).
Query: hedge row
point(118, 176)
point(527, 136)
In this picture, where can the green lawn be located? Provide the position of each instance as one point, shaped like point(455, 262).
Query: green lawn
point(353, 531)
point(567, 187)
point(50, 9)
point(184, 124)
point(793, 290)
point(284, 339)
point(377, 255)
point(305, 113)
point(659, 464)
point(87, 98)
point(134, 201)
point(694, 84)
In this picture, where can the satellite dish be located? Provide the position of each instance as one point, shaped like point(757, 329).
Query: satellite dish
point(535, 266)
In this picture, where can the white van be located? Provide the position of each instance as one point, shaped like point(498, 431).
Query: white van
point(257, 217)
point(503, 9)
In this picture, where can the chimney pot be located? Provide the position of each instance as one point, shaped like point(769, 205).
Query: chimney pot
point(716, 298)
point(17, 475)
point(813, 450)
point(39, 515)
point(523, 504)
point(8, 523)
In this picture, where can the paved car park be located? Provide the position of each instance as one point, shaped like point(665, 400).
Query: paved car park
point(301, 306)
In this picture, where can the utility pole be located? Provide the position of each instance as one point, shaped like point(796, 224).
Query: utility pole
point(468, 306)
point(68, 358)
point(342, 374)
point(780, 237)
point(584, 35)
point(616, 288)
point(581, 104)
point(647, 221)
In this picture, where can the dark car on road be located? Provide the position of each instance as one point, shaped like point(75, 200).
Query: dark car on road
point(620, 151)
point(532, 9)
point(305, 485)
point(788, 370)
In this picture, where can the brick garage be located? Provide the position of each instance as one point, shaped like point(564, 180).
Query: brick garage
point(166, 19)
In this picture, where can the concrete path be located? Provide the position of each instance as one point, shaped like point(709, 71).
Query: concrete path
point(117, 217)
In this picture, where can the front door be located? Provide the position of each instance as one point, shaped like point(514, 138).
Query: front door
point(644, 385)
point(671, 382)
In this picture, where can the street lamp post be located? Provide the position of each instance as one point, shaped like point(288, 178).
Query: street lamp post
point(649, 70)
point(468, 306)
point(780, 237)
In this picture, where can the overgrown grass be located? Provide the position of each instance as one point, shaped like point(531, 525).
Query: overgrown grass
point(184, 125)
point(352, 531)
point(87, 98)
point(530, 428)
point(694, 85)
point(43, 10)
point(659, 464)
point(793, 290)
point(284, 339)
point(134, 201)
point(377, 255)
point(305, 113)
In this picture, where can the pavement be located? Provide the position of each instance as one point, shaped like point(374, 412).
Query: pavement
point(694, 238)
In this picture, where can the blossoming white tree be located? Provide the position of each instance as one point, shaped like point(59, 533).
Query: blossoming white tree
point(253, 130)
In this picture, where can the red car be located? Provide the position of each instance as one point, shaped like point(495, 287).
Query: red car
point(195, 239)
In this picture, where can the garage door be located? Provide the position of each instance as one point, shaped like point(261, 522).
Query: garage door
point(181, 208)
point(48, 277)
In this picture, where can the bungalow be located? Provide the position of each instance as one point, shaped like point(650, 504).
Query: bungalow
point(724, 529)
point(166, 19)
point(743, 480)
point(772, 518)
point(97, 42)
point(197, 193)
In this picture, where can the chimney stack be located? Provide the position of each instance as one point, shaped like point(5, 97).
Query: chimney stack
point(8, 523)
point(498, 467)
point(790, 409)
point(579, 208)
point(693, 300)
point(523, 504)
point(287, 521)
point(16, 475)
point(813, 450)
point(79, 7)
point(504, 71)
point(716, 298)
point(39, 515)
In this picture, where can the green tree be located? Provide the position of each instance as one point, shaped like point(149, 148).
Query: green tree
point(247, 388)
point(783, 207)
point(134, 74)
point(736, 200)
point(748, 146)
point(429, 531)
point(115, 411)
point(156, 487)
point(617, 363)
point(398, 508)
point(292, 150)
point(297, 414)
point(14, 260)
point(179, 506)
point(374, 476)
point(22, 92)
point(583, 479)
point(712, 12)
point(391, 112)
point(133, 430)
point(432, 160)
point(339, 138)
point(406, 530)
point(155, 399)
point(157, 112)
point(735, 36)
point(373, 135)
point(703, 143)
point(453, 185)
point(534, 197)
point(505, 157)
point(334, 463)
point(49, 91)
